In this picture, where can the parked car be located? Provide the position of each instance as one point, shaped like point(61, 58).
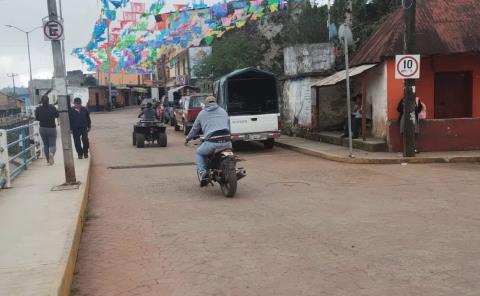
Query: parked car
point(186, 111)
point(173, 97)
point(250, 97)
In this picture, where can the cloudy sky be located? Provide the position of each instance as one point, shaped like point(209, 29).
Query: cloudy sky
point(79, 15)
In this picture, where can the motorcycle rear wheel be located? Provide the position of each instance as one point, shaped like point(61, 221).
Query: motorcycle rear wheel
point(229, 182)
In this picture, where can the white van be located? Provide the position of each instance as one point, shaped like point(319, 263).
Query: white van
point(250, 97)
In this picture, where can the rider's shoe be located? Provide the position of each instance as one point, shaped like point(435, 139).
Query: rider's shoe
point(203, 179)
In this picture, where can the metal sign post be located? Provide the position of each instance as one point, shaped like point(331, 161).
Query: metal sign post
point(408, 65)
point(347, 38)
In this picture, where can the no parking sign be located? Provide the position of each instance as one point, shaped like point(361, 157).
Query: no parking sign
point(407, 66)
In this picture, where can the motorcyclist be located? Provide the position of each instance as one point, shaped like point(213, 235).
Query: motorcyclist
point(148, 113)
point(213, 121)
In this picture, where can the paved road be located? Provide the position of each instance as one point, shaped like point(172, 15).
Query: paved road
point(298, 225)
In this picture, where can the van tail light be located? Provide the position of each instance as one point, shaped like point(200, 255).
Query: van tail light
point(279, 122)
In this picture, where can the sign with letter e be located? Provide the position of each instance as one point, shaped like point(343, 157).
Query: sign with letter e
point(53, 30)
point(407, 66)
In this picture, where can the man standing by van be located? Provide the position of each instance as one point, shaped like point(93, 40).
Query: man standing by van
point(213, 121)
point(80, 125)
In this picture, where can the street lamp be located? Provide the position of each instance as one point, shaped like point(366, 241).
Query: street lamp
point(27, 33)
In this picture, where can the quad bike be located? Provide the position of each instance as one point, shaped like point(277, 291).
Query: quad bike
point(149, 131)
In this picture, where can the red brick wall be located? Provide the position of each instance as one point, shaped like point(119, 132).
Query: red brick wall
point(102, 96)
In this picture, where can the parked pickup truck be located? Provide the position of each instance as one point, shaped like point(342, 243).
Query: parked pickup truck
point(250, 97)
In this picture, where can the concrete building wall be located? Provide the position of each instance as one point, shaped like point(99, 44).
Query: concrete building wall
point(39, 88)
point(308, 58)
point(119, 79)
point(297, 102)
point(79, 92)
point(376, 97)
point(75, 78)
point(101, 94)
point(332, 106)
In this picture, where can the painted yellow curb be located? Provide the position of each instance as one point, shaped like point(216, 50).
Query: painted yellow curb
point(67, 277)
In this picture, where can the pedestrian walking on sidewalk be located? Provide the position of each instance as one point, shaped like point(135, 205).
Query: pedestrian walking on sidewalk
point(46, 114)
point(80, 125)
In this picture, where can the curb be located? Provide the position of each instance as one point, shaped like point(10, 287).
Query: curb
point(362, 160)
point(67, 275)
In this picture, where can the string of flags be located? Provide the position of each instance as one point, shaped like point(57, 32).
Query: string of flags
point(130, 36)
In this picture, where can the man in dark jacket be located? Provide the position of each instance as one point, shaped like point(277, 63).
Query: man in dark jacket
point(80, 125)
point(148, 113)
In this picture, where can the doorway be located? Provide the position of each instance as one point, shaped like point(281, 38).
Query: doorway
point(453, 95)
point(97, 102)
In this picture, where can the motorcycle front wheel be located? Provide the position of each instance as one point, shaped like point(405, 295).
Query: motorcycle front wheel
point(229, 182)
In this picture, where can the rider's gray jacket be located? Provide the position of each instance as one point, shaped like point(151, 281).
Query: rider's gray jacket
point(148, 114)
point(211, 119)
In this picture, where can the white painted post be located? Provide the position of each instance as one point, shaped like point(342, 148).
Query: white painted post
point(4, 158)
point(37, 140)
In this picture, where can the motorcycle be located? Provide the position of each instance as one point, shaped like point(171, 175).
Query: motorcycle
point(222, 168)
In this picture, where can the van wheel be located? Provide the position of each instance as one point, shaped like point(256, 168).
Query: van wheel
point(173, 121)
point(268, 144)
point(177, 127)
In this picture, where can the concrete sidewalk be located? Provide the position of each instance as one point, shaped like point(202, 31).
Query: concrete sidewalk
point(341, 154)
point(40, 229)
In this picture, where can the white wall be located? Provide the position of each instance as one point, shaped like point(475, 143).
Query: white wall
point(376, 89)
point(297, 101)
point(79, 92)
point(308, 58)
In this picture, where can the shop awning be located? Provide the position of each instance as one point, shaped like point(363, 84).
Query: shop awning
point(341, 76)
point(140, 90)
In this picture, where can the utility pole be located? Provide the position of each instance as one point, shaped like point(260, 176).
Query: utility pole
point(13, 75)
point(164, 70)
point(348, 24)
point(109, 72)
point(60, 86)
point(410, 7)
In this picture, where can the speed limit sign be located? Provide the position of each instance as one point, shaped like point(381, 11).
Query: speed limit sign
point(407, 66)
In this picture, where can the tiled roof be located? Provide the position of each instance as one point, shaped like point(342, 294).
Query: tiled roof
point(442, 27)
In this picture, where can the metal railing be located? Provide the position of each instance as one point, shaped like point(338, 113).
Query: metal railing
point(19, 146)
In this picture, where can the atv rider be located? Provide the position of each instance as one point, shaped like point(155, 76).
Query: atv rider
point(148, 113)
point(213, 121)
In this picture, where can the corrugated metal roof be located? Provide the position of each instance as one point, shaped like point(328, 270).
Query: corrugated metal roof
point(442, 27)
point(340, 76)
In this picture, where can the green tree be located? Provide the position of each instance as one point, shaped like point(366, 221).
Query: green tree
point(309, 27)
point(235, 50)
